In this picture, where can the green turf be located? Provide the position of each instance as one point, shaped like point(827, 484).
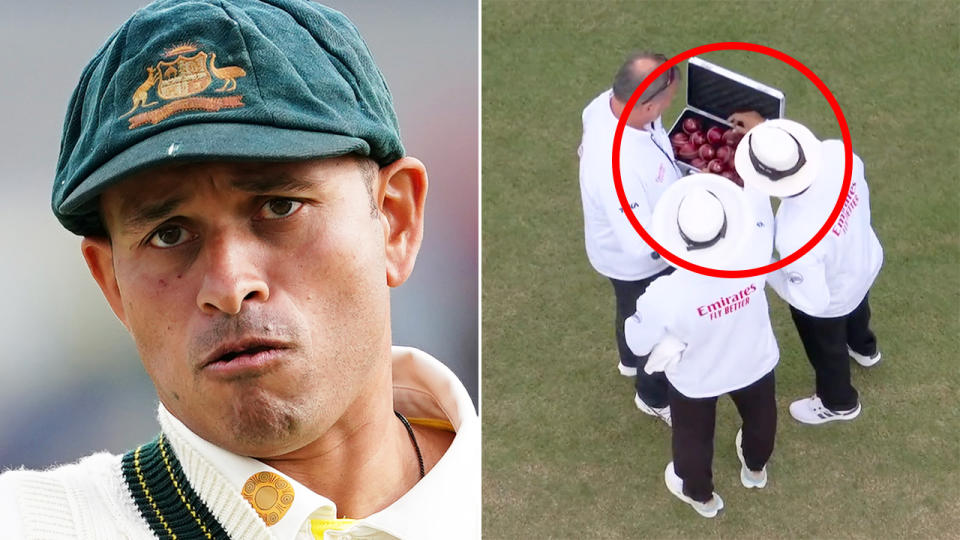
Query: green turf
point(566, 455)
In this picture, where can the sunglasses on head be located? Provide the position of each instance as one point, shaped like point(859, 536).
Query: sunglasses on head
point(671, 75)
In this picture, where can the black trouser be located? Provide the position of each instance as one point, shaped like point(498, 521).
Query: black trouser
point(693, 425)
point(652, 389)
point(825, 341)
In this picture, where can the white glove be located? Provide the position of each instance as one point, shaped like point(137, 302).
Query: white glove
point(665, 354)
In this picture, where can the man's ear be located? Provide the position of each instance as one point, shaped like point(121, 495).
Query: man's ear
point(98, 252)
point(401, 197)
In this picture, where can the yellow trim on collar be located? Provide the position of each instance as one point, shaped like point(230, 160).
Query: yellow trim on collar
point(320, 526)
point(445, 425)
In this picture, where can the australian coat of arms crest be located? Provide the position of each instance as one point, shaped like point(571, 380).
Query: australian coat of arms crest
point(172, 86)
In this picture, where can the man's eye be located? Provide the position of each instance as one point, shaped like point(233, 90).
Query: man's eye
point(279, 208)
point(169, 236)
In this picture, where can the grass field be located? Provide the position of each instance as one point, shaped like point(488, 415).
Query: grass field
point(566, 454)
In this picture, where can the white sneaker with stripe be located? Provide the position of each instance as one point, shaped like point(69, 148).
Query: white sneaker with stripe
point(749, 479)
point(662, 413)
point(812, 411)
point(674, 483)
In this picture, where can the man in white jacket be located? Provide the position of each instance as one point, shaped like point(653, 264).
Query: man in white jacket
point(711, 336)
point(648, 167)
point(828, 287)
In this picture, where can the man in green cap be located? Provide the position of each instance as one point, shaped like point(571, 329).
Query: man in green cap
point(236, 172)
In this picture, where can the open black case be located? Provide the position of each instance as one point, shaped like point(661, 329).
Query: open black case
point(714, 93)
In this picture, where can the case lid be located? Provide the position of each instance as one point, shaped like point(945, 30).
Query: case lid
point(721, 92)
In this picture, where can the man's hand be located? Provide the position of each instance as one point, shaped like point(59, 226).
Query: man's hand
point(745, 121)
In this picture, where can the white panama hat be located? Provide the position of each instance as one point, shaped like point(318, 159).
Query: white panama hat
point(779, 157)
point(705, 219)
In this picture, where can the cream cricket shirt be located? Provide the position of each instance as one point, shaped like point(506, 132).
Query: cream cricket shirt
point(647, 167)
point(724, 323)
point(89, 499)
point(833, 278)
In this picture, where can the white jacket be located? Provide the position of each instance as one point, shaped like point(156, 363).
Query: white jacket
point(833, 278)
point(724, 325)
point(647, 168)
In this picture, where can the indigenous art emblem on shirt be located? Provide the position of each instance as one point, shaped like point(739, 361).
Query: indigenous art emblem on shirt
point(172, 85)
point(269, 494)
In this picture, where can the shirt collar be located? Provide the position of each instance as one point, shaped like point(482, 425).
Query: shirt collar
point(444, 504)
point(656, 126)
point(236, 470)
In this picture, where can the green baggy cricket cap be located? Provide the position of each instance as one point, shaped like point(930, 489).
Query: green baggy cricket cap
point(209, 80)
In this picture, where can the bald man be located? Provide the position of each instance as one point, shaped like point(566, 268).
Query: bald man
point(648, 167)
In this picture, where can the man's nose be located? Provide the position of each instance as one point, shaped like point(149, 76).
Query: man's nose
point(234, 273)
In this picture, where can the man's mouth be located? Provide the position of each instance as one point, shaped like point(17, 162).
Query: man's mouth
point(242, 352)
point(249, 352)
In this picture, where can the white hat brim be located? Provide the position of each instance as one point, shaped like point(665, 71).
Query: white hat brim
point(790, 185)
point(726, 254)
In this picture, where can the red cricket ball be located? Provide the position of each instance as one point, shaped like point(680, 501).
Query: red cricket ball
point(706, 152)
point(687, 151)
point(691, 125)
point(679, 139)
point(698, 138)
point(698, 163)
point(715, 166)
point(714, 135)
point(725, 153)
point(732, 138)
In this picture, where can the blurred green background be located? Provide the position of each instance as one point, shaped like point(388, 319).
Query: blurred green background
point(566, 454)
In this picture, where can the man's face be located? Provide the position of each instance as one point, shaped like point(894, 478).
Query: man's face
point(256, 294)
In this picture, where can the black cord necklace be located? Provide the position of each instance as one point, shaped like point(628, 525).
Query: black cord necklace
point(413, 438)
point(662, 151)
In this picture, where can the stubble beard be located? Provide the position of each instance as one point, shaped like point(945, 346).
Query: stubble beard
point(259, 420)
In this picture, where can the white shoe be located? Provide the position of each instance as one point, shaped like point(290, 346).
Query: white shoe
point(865, 361)
point(627, 371)
point(811, 411)
point(675, 485)
point(749, 479)
point(662, 413)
